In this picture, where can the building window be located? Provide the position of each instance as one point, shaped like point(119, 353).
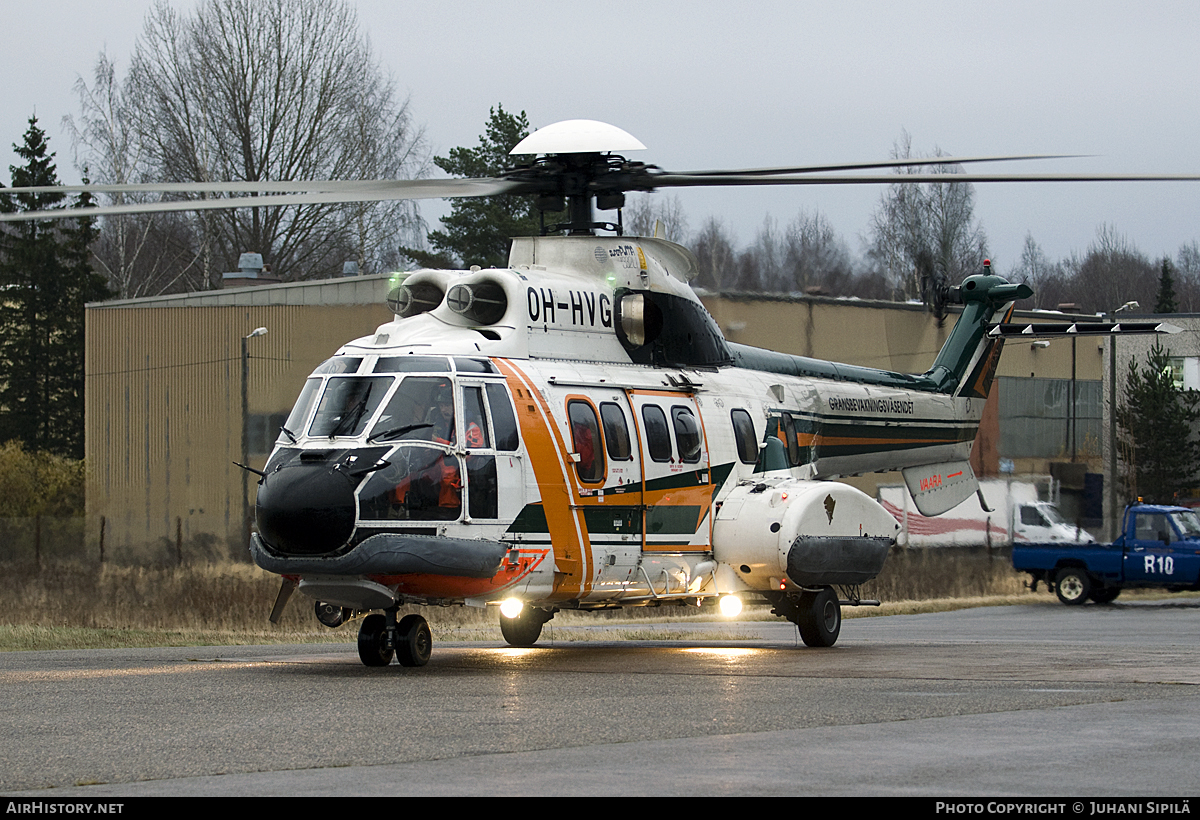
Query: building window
point(1185, 372)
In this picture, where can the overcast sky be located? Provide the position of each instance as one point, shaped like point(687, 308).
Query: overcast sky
point(723, 85)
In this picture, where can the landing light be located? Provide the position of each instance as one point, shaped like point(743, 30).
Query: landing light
point(511, 607)
point(731, 606)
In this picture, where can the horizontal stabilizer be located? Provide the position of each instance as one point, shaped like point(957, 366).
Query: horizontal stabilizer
point(936, 488)
point(1052, 330)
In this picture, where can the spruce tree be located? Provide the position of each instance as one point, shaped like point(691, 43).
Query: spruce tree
point(1165, 302)
point(46, 279)
point(1157, 419)
point(477, 231)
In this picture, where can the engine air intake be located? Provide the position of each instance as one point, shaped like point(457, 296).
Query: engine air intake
point(410, 300)
point(483, 303)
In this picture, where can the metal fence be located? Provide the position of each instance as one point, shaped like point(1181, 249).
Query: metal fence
point(48, 539)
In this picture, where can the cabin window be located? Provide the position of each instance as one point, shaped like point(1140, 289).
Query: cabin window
point(475, 426)
point(348, 404)
point(658, 435)
point(585, 437)
point(616, 432)
point(687, 434)
point(503, 418)
point(743, 432)
point(787, 434)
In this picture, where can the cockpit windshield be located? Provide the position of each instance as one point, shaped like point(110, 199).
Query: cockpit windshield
point(421, 409)
point(348, 404)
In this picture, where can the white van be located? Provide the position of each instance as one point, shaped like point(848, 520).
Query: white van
point(1039, 522)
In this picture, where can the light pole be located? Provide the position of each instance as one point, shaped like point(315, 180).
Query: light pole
point(259, 331)
point(1111, 524)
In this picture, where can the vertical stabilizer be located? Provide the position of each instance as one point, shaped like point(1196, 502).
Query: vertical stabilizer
point(966, 364)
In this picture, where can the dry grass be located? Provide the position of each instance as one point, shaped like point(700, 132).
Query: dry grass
point(73, 605)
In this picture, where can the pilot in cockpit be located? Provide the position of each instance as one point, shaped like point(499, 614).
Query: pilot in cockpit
point(441, 415)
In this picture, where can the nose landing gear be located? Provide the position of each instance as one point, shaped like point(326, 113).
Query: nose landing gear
point(380, 639)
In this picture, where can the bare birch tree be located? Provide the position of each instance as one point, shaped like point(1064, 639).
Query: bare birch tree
point(925, 236)
point(645, 213)
point(139, 255)
point(255, 90)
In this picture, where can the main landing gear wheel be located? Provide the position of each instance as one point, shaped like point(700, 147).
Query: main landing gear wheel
point(526, 628)
point(1072, 586)
point(819, 616)
point(415, 641)
point(372, 641)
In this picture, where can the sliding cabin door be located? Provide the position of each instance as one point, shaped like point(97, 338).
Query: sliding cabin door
point(676, 480)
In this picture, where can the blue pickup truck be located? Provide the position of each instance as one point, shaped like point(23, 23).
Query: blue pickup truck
point(1159, 546)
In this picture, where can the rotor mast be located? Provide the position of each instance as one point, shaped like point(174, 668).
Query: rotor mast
point(577, 164)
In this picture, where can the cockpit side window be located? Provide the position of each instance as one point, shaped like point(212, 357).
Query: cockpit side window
point(475, 426)
point(503, 419)
point(299, 415)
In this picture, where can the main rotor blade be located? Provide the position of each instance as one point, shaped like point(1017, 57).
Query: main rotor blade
point(671, 180)
point(330, 192)
point(262, 186)
point(891, 163)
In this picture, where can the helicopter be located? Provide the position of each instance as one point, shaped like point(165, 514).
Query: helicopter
point(574, 431)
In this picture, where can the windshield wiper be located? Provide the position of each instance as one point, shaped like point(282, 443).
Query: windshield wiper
point(396, 432)
point(353, 414)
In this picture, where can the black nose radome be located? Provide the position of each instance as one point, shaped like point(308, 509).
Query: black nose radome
point(306, 509)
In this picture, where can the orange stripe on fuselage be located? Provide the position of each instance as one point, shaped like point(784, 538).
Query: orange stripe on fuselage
point(452, 586)
point(555, 478)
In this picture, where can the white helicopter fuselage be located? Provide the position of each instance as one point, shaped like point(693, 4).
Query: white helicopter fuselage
point(509, 445)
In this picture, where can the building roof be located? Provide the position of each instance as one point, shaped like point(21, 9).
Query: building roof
point(349, 290)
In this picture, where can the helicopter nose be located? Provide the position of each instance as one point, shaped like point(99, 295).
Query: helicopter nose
point(305, 509)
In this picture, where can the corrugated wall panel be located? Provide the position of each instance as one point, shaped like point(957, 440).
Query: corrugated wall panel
point(163, 413)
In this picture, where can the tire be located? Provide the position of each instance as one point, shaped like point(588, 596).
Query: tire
point(819, 617)
point(1072, 585)
point(1104, 595)
point(370, 641)
point(415, 643)
point(526, 628)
